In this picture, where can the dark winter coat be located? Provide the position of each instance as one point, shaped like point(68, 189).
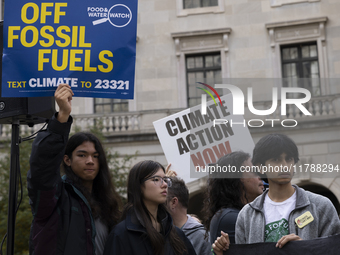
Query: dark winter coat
point(130, 237)
point(62, 219)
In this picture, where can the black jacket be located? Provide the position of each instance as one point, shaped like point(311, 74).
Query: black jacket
point(129, 236)
point(62, 220)
point(225, 220)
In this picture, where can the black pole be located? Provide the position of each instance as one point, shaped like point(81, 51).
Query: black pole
point(13, 187)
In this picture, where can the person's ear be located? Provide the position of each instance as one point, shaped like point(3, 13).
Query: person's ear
point(173, 202)
point(67, 160)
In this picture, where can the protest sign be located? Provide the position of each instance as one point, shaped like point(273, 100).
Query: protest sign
point(90, 45)
point(191, 140)
point(323, 245)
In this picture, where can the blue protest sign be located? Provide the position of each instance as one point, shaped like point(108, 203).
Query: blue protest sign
point(90, 45)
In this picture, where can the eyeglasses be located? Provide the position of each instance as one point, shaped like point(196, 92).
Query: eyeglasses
point(159, 180)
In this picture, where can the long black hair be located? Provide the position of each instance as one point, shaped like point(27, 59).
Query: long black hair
point(137, 175)
point(224, 192)
point(104, 200)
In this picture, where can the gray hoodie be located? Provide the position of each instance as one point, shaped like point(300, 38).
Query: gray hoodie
point(195, 232)
point(250, 224)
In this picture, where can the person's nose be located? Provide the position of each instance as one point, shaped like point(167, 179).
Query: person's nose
point(89, 160)
point(164, 183)
point(286, 165)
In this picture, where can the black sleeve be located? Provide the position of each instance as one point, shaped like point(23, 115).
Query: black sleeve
point(43, 178)
point(226, 224)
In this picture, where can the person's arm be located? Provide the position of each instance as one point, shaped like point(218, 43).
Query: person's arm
point(329, 220)
point(225, 231)
point(329, 223)
point(63, 97)
point(221, 244)
point(227, 224)
point(47, 154)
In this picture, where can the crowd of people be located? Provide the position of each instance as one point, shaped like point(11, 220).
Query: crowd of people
point(79, 212)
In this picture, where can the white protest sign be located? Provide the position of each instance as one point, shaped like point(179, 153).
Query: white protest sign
point(191, 140)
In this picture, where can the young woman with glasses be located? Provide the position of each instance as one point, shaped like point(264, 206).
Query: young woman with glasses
point(147, 227)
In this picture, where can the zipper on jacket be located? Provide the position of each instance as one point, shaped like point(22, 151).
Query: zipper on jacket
point(295, 209)
point(264, 223)
point(296, 228)
point(94, 232)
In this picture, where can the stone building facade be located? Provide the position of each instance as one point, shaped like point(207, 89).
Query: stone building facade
point(248, 37)
point(180, 42)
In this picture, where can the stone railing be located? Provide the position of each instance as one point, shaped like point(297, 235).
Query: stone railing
point(319, 107)
point(322, 107)
point(108, 124)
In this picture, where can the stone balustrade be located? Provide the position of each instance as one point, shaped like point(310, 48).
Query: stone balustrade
point(108, 123)
point(322, 107)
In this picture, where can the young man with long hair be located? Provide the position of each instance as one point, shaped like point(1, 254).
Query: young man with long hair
point(72, 214)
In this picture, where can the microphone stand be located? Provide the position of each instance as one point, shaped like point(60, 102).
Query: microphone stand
point(13, 187)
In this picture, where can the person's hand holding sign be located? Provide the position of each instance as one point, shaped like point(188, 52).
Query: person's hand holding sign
point(286, 239)
point(63, 96)
point(170, 173)
point(221, 244)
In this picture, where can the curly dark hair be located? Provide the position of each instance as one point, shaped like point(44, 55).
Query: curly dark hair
point(224, 192)
point(104, 200)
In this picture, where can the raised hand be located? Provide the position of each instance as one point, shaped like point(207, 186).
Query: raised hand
point(63, 96)
point(170, 173)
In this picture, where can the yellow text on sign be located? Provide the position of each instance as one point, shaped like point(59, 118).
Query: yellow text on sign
point(71, 58)
point(59, 37)
point(44, 11)
point(16, 84)
point(63, 37)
